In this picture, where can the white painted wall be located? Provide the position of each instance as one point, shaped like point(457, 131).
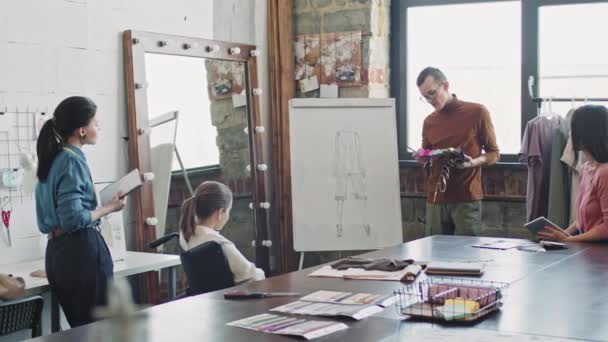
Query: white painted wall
point(52, 49)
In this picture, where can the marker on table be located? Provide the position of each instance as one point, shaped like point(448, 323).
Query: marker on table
point(241, 294)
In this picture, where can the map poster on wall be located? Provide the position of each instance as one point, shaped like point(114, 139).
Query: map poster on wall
point(308, 55)
point(334, 58)
point(225, 78)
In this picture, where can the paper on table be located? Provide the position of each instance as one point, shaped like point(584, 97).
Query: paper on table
point(282, 325)
point(357, 312)
point(359, 273)
point(500, 244)
point(349, 298)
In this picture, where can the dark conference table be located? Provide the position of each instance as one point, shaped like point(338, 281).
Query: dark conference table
point(561, 293)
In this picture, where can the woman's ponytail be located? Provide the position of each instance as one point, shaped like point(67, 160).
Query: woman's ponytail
point(48, 146)
point(187, 222)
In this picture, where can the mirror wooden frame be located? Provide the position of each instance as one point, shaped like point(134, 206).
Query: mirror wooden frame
point(136, 44)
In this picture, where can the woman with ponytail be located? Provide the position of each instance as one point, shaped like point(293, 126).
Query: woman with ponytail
point(203, 217)
point(78, 262)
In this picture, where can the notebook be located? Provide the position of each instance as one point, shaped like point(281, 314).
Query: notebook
point(539, 224)
point(125, 185)
point(455, 268)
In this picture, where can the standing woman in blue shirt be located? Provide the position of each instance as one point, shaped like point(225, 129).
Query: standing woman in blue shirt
point(78, 262)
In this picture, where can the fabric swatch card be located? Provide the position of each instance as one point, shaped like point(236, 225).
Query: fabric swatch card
point(349, 298)
point(357, 312)
point(282, 325)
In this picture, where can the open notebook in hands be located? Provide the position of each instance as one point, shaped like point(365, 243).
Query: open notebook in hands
point(540, 223)
point(126, 185)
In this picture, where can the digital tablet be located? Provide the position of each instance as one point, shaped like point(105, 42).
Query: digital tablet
point(539, 224)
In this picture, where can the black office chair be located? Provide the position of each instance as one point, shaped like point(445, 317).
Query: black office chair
point(205, 265)
point(207, 268)
point(21, 314)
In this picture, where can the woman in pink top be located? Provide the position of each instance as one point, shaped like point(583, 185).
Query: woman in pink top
point(589, 130)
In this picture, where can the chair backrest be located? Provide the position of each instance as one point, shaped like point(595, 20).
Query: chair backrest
point(21, 314)
point(206, 268)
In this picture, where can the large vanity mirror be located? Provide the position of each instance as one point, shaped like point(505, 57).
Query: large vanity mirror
point(193, 117)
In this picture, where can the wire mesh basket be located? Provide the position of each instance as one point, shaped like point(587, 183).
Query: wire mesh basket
point(450, 299)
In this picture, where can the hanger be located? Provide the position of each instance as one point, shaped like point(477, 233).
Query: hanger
point(572, 102)
point(548, 112)
point(542, 107)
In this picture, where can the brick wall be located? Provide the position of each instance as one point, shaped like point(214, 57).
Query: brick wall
point(371, 17)
point(503, 210)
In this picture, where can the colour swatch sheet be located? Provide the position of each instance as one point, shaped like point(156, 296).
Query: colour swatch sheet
point(282, 325)
point(329, 309)
point(350, 298)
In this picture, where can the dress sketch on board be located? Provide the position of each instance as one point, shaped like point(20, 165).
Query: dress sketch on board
point(349, 170)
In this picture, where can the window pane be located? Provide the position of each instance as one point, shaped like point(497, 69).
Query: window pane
point(573, 52)
point(478, 47)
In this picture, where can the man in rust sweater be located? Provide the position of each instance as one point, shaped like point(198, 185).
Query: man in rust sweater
point(456, 124)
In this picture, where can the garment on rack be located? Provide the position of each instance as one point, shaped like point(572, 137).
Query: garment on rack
point(388, 265)
point(536, 153)
point(569, 157)
point(560, 178)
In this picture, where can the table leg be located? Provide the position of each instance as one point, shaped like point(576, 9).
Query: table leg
point(172, 283)
point(55, 314)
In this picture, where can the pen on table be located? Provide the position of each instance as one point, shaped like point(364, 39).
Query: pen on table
point(238, 294)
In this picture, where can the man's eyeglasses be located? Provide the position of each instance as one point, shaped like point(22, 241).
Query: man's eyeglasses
point(431, 95)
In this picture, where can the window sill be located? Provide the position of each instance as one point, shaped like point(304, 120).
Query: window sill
point(487, 198)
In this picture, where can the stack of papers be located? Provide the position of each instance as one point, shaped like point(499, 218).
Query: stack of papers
point(357, 312)
point(350, 298)
point(281, 325)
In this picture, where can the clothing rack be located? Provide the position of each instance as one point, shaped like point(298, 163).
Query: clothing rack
point(540, 100)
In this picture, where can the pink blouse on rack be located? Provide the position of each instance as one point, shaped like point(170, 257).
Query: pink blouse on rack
point(592, 202)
